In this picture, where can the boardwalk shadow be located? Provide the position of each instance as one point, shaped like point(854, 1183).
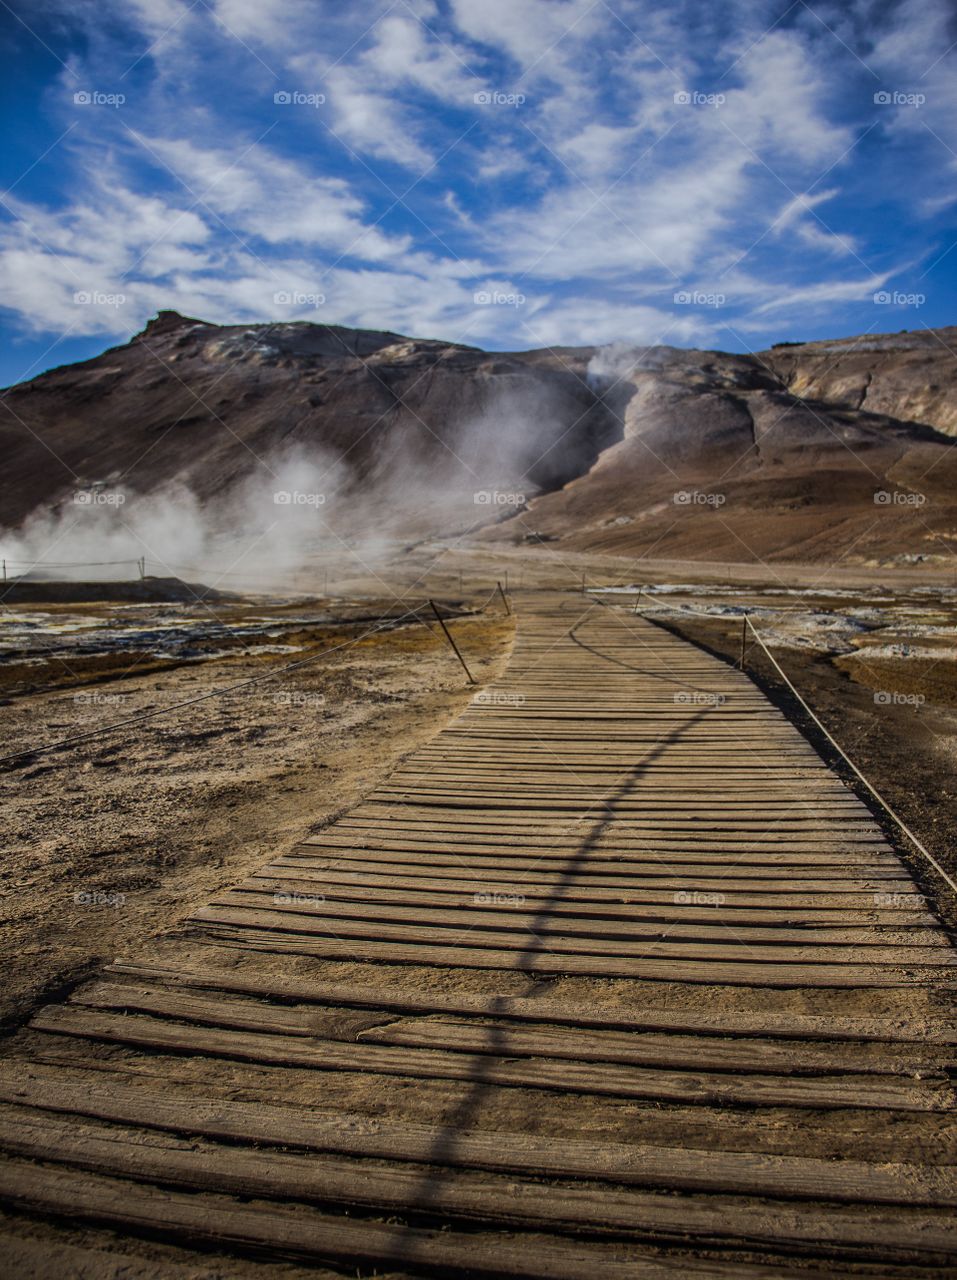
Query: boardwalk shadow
point(667, 676)
point(533, 959)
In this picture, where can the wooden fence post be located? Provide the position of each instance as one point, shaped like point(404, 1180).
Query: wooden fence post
point(451, 641)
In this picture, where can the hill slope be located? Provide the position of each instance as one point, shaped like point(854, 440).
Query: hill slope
point(721, 459)
point(811, 451)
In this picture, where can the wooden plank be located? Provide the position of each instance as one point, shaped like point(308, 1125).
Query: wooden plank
point(742, 1056)
point(560, 849)
point(591, 830)
point(609, 1080)
point(300, 1231)
point(618, 850)
point(157, 1157)
point(409, 818)
point(748, 1055)
point(685, 862)
point(581, 884)
point(589, 836)
point(569, 929)
point(575, 916)
point(892, 1027)
point(234, 928)
point(630, 874)
point(551, 775)
point(307, 1129)
point(355, 920)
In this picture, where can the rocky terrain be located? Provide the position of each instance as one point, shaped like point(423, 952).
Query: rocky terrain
point(911, 376)
point(406, 430)
point(776, 456)
point(818, 452)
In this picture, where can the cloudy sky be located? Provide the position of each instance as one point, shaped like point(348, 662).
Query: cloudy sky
point(508, 173)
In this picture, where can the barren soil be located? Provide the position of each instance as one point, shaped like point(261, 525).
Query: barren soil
point(120, 837)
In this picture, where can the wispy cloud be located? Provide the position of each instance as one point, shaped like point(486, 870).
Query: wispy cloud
point(599, 161)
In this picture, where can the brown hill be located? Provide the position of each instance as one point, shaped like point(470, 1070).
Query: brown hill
point(805, 452)
point(720, 458)
point(424, 425)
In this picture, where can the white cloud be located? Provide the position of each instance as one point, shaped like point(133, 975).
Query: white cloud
point(530, 31)
point(404, 52)
point(260, 194)
point(371, 121)
point(585, 321)
point(798, 220)
point(598, 198)
point(826, 292)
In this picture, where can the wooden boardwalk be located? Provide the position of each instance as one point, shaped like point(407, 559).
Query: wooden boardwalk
point(613, 978)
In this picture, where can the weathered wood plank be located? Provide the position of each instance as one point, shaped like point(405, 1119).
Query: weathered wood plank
point(747, 1055)
point(702, 1088)
point(300, 1231)
point(326, 1179)
point(891, 1027)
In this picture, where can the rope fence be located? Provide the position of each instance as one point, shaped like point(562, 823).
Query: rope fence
point(885, 804)
point(748, 625)
point(394, 621)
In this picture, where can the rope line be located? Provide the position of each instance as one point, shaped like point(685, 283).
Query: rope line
point(846, 758)
point(230, 688)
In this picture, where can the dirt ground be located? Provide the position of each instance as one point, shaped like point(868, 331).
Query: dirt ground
point(118, 838)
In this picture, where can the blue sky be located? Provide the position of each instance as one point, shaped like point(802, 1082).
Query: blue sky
point(507, 173)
